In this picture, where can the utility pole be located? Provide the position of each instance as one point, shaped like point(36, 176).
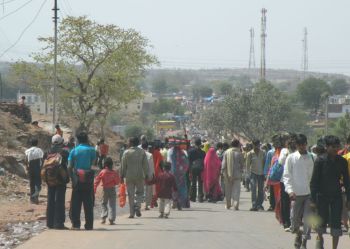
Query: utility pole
point(263, 46)
point(252, 51)
point(305, 61)
point(1, 89)
point(55, 20)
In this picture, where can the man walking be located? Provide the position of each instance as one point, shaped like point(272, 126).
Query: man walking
point(326, 190)
point(135, 171)
point(80, 161)
point(296, 178)
point(255, 167)
point(196, 159)
point(57, 183)
point(232, 167)
point(34, 160)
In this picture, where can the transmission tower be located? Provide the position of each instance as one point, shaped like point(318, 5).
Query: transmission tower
point(263, 46)
point(252, 50)
point(305, 58)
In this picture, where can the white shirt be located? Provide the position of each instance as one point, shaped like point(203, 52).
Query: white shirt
point(297, 173)
point(34, 153)
point(150, 165)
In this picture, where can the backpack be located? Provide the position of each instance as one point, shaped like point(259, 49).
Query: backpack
point(52, 171)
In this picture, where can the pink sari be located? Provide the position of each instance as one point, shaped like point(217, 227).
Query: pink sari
point(211, 175)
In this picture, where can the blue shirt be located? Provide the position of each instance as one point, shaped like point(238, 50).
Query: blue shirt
point(82, 156)
point(268, 161)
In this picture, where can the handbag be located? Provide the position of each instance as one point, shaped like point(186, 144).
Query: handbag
point(276, 172)
point(122, 195)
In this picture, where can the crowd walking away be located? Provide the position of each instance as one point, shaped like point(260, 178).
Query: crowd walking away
point(306, 186)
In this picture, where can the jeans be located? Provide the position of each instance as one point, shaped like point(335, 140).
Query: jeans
point(257, 184)
point(285, 207)
point(82, 196)
point(34, 180)
point(55, 212)
point(109, 204)
point(196, 177)
point(330, 211)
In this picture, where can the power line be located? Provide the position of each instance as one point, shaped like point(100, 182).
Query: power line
point(10, 1)
point(16, 10)
point(25, 29)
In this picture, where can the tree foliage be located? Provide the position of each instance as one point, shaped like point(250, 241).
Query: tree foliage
point(257, 113)
point(342, 127)
point(98, 68)
point(167, 106)
point(340, 86)
point(311, 91)
point(201, 91)
point(160, 86)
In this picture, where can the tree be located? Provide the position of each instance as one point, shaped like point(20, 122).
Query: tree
point(133, 131)
point(342, 127)
point(223, 87)
point(310, 92)
point(160, 86)
point(167, 106)
point(98, 68)
point(201, 91)
point(340, 86)
point(257, 113)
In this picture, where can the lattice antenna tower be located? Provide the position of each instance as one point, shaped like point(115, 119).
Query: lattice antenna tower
point(263, 46)
point(252, 50)
point(305, 58)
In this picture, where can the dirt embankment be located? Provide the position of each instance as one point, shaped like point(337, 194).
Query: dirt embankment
point(14, 186)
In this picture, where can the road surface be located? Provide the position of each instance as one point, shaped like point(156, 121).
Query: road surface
point(204, 225)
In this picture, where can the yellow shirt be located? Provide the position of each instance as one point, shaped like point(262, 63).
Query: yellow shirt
point(347, 157)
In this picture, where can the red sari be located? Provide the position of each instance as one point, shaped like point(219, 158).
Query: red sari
point(276, 188)
point(211, 174)
point(157, 159)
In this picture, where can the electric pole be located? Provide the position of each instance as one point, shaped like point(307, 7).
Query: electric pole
point(263, 46)
point(305, 61)
point(252, 51)
point(1, 90)
point(55, 20)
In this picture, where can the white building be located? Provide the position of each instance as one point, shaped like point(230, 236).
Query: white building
point(36, 103)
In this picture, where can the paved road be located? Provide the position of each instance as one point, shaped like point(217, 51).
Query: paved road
point(205, 225)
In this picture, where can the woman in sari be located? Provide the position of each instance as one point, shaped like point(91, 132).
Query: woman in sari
point(179, 167)
point(211, 176)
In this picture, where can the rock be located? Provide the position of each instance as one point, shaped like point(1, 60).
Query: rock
point(30, 210)
point(41, 217)
point(11, 164)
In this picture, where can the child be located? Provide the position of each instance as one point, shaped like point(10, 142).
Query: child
point(110, 179)
point(167, 185)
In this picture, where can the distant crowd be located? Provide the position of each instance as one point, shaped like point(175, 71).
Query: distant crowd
point(307, 187)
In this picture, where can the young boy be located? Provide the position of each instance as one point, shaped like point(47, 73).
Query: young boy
point(326, 191)
point(110, 179)
point(167, 185)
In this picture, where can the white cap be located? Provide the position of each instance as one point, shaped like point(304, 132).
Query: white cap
point(57, 139)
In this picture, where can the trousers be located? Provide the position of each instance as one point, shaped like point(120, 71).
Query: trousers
point(232, 191)
point(135, 195)
point(165, 206)
point(109, 204)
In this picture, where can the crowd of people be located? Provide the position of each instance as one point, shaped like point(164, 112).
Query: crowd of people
point(307, 187)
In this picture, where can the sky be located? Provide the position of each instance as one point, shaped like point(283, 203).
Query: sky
point(200, 33)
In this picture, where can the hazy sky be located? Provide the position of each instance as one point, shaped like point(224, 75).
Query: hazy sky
point(203, 33)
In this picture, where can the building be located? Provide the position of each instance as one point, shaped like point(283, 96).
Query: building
point(338, 106)
point(136, 106)
point(36, 103)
